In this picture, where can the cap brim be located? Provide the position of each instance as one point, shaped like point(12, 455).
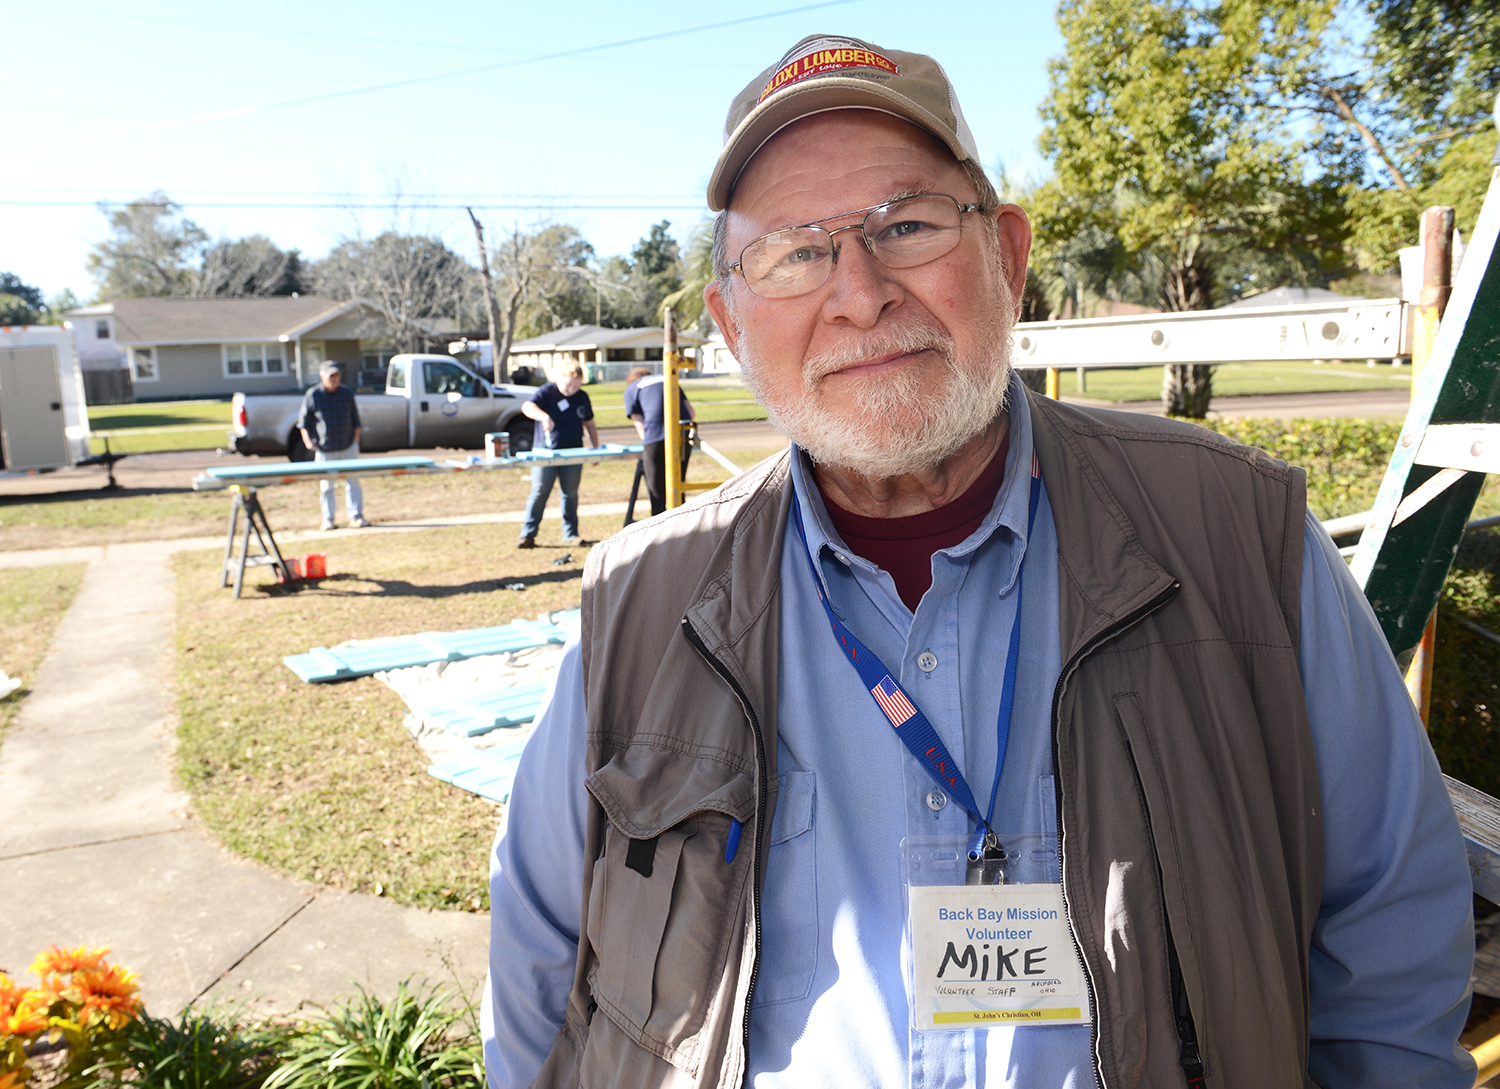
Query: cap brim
point(816, 96)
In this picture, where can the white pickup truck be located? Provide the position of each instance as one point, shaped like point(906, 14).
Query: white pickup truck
point(429, 401)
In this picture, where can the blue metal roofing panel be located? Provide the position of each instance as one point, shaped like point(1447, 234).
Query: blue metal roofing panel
point(486, 772)
point(361, 659)
point(479, 713)
point(249, 474)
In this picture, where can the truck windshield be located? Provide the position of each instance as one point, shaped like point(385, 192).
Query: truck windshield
point(448, 378)
point(396, 378)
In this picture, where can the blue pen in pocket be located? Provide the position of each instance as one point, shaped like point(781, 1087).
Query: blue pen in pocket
point(731, 848)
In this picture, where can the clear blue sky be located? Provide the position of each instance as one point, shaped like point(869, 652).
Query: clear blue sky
point(239, 112)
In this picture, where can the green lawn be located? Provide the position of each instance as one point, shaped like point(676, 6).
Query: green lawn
point(147, 428)
point(1237, 379)
point(164, 414)
point(714, 399)
point(32, 603)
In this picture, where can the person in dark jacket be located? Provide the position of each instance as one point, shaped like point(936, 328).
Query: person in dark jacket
point(329, 423)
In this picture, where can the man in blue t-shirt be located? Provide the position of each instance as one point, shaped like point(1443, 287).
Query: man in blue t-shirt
point(645, 404)
point(563, 416)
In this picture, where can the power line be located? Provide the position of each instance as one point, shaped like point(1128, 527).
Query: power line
point(279, 32)
point(563, 54)
point(697, 205)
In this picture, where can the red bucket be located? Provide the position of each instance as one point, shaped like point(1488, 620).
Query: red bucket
point(315, 565)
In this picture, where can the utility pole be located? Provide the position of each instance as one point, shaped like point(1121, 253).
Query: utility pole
point(1437, 288)
point(498, 367)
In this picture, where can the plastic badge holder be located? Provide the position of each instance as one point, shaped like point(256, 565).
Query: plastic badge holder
point(983, 956)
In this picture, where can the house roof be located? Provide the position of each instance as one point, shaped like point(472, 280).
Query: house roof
point(1291, 296)
point(578, 337)
point(220, 320)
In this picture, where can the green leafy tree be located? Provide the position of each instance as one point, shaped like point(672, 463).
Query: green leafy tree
point(151, 251)
point(59, 305)
point(20, 303)
point(1430, 77)
point(697, 270)
point(1176, 161)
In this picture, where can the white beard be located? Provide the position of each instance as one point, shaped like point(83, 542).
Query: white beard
point(904, 425)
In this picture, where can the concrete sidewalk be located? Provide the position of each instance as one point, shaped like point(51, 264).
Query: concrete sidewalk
point(99, 845)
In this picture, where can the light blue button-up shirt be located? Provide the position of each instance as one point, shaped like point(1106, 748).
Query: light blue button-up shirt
point(1391, 950)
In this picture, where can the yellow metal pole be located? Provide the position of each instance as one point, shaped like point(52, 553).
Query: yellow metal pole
point(1437, 286)
point(1054, 383)
point(1487, 1056)
point(672, 411)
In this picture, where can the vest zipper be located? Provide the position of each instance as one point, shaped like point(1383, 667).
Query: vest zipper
point(1114, 629)
point(760, 816)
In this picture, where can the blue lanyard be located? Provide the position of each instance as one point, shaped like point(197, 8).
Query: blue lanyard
point(910, 724)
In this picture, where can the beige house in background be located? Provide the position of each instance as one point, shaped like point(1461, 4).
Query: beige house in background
point(180, 348)
point(606, 354)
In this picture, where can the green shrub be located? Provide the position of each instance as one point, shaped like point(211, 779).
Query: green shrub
point(420, 1040)
point(203, 1050)
point(1465, 719)
point(1345, 459)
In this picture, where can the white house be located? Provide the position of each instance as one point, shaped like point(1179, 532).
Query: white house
point(94, 333)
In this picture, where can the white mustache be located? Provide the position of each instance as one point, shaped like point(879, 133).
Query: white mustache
point(897, 340)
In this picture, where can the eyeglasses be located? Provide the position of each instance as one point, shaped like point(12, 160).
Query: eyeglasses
point(900, 233)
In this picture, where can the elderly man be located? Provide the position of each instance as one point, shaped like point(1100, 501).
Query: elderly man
point(818, 799)
point(329, 422)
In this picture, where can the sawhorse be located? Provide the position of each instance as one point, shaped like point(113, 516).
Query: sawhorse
point(255, 519)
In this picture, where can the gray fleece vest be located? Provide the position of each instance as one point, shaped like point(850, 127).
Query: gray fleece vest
point(1188, 802)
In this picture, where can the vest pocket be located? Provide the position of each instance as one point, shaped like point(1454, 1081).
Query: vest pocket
point(664, 903)
point(789, 901)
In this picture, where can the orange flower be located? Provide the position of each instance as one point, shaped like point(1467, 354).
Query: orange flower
point(10, 995)
point(107, 995)
point(52, 959)
point(24, 1019)
point(14, 1079)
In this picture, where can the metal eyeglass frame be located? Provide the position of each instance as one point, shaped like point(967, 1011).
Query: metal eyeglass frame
point(817, 224)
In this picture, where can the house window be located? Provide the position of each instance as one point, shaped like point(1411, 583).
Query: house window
point(143, 365)
point(101, 329)
point(253, 360)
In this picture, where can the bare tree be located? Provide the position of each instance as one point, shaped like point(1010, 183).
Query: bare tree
point(248, 266)
point(410, 277)
point(499, 362)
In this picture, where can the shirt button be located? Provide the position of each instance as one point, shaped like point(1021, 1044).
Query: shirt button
point(936, 799)
point(927, 661)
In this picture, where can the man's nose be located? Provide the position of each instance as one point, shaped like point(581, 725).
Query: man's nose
point(862, 286)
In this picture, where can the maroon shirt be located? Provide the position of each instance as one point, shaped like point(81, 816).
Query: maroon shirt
point(904, 547)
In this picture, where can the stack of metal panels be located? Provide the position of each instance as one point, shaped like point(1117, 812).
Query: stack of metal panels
point(486, 772)
point(471, 715)
point(363, 658)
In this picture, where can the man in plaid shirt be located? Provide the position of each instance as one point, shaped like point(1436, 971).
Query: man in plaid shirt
point(330, 408)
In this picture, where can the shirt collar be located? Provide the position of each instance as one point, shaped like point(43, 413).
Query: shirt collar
point(1009, 509)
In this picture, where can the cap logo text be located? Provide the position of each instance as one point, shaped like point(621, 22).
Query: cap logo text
point(817, 61)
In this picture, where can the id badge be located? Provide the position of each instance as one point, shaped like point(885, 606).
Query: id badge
point(989, 940)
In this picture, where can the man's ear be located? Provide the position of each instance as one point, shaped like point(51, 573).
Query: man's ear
point(718, 306)
point(1015, 246)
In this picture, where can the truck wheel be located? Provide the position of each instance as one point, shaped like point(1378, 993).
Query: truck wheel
point(296, 449)
point(521, 434)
